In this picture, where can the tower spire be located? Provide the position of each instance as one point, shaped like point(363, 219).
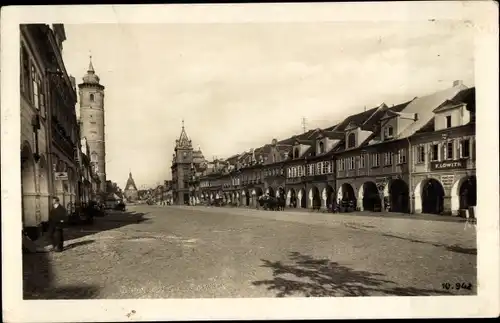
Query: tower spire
point(91, 67)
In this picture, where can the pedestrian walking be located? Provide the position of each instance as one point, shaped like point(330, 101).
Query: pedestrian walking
point(57, 219)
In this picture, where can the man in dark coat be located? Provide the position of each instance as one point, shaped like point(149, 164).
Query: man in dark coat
point(57, 217)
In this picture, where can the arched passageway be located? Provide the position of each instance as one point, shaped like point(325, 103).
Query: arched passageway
point(270, 191)
point(328, 196)
point(314, 198)
point(468, 193)
point(432, 197)
point(371, 197)
point(291, 198)
point(399, 196)
point(280, 192)
point(347, 193)
point(302, 200)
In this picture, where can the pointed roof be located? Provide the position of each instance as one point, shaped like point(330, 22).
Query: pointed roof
point(130, 183)
point(91, 77)
point(183, 141)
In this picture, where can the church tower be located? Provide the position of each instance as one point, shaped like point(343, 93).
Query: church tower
point(182, 162)
point(92, 124)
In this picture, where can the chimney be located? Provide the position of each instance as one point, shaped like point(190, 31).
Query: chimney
point(457, 83)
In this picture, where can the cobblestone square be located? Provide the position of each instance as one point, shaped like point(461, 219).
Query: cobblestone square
point(201, 252)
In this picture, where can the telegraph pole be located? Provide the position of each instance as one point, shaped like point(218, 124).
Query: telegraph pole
point(304, 124)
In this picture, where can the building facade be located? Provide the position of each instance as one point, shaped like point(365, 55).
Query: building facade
point(50, 143)
point(187, 165)
point(130, 192)
point(376, 160)
point(92, 121)
point(36, 170)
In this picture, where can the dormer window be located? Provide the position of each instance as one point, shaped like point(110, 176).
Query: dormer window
point(448, 121)
point(389, 132)
point(321, 147)
point(351, 140)
point(296, 153)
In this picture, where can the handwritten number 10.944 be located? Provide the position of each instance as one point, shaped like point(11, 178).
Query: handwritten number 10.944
point(457, 286)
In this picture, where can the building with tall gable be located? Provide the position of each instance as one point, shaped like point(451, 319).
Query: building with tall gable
point(187, 166)
point(131, 192)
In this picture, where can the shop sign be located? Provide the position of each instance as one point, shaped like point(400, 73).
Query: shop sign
point(448, 165)
point(447, 180)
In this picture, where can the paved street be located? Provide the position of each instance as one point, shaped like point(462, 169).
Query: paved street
point(193, 252)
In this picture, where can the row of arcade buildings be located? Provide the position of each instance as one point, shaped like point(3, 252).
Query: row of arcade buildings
point(56, 160)
point(414, 157)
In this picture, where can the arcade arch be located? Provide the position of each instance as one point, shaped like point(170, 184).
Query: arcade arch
point(314, 198)
point(399, 196)
point(328, 196)
point(280, 192)
point(270, 191)
point(301, 199)
point(429, 196)
point(371, 197)
point(291, 198)
point(464, 193)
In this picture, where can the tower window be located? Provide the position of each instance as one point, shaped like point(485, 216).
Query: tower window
point(92, 97)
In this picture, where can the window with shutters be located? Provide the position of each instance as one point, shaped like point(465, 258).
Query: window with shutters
point(341, 164)
point(25, 73)
point(449, 150)
point(318, 168)
point(35, 94)
point(402, 156)
point(362, 161)
point(300, 171)
point(465, 148)
point(43, 111)
point(388, 158)
point(330, 167)
point(434, 152)
point(376, 160)
point(326, 167)
point(421, 154)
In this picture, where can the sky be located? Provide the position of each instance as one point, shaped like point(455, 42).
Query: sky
point(238, 86)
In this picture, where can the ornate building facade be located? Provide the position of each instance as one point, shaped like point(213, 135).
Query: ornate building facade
point(414, 157)
point(92, 123)
point(131, 192)
point(187, 165)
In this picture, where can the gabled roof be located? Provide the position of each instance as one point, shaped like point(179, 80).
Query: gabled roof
point(467, 97)
point(357, 119)
point(424, 106)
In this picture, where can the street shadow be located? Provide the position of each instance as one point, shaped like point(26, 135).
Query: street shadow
point(452, 248)
point(77, 244)
point(39, 282)
point(309, 277)
point(459, 249)
point(111, 221)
